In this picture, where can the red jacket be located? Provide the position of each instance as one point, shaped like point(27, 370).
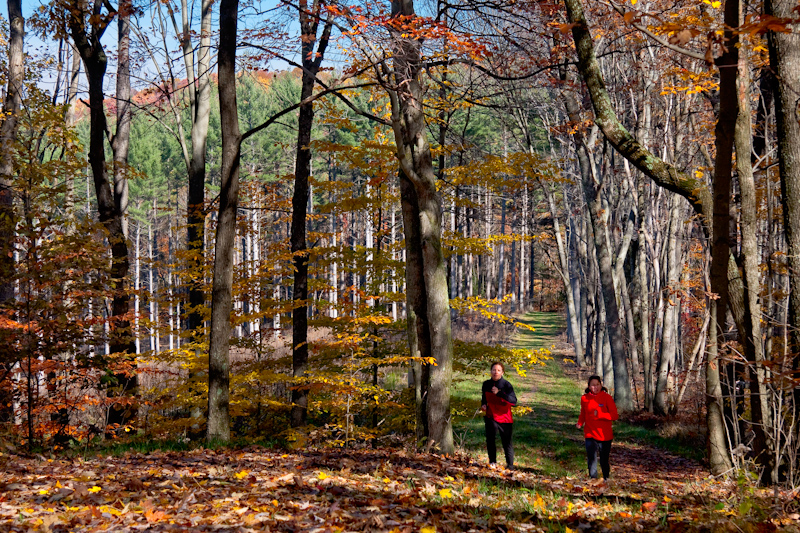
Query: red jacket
point(498, 406)
point(597, 427)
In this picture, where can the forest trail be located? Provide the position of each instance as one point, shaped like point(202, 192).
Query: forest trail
point(549, 441)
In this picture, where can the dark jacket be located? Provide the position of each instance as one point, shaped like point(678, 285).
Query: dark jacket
point(498, 406)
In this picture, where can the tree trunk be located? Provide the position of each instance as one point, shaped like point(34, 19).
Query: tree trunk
point(413, 152)
point(564, 271)
point(110, 204)
point(720, 234)
point(219, 428)
point(8, 136)
point(312, 60)
point(763, 445)
point(200, 98)
point(416, 303)
point(784, 56)
point(667, 365)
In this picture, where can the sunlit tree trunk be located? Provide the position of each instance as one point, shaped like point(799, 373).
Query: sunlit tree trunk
point(219, 428)
point(414, 155)
point(668, 358)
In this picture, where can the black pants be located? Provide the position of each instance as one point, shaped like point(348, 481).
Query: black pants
point(505, 430)
point(593, 447)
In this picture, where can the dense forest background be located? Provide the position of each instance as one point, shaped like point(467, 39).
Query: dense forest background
point(306, 220)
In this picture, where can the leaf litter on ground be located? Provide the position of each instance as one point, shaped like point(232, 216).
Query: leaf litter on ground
point(259, 489)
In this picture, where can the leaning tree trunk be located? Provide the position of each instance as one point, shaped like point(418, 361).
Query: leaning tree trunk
point(414, 155)
point(667, 176)
point(219, 426)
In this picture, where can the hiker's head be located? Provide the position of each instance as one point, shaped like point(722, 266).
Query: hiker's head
point(497, 370)
point(595, 385)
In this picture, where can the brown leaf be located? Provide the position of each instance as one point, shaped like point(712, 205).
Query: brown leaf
point(681, 38)
point(134, 484)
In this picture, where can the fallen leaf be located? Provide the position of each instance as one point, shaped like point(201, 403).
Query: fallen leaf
point(649, 507)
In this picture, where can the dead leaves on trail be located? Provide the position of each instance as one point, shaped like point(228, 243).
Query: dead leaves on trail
point(256, 489)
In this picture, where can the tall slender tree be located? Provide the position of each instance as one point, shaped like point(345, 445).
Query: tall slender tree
point(310, 18)
point(219, 428)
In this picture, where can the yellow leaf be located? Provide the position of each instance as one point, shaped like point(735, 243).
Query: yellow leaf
point(716, 4)
point(445, 493)
point(387, 480)
point(427, 529)
point(275, 503)
point(96, 488)
point(58, 484)
point(44, 491)
point(633, 2)
point(449, 478)
point(243, 474)
point(323, 475)
point(667, 499)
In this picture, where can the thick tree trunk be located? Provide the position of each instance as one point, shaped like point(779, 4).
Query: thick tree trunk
point(416, 304)
point(219, 428)
point(121, 148)
point(720, 234)
point(413, 152)
point(784, 55)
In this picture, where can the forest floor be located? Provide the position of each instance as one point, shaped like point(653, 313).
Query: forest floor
point(261, 489)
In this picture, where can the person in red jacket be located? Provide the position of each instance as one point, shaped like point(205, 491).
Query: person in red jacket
point(598, 410)
point(497, 399)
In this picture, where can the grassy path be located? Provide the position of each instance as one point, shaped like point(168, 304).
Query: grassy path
point(546, 442)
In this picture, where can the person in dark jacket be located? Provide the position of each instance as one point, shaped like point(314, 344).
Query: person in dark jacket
point(497, 399)
point(598, 411)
